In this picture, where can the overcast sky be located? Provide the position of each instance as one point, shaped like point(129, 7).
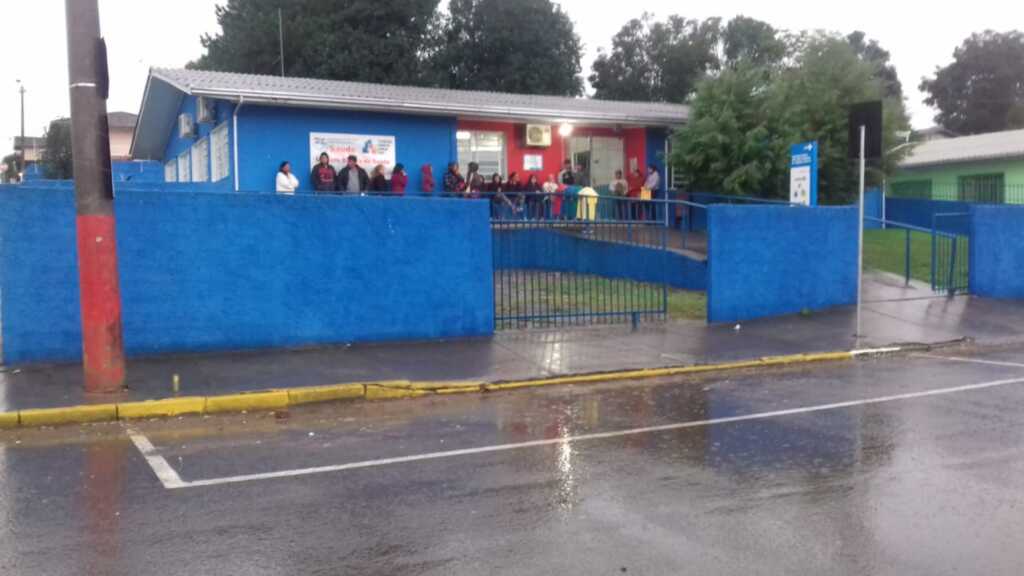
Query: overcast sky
point(145, 33)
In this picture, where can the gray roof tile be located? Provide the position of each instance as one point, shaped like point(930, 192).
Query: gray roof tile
point(422, 100)
point(992, 146)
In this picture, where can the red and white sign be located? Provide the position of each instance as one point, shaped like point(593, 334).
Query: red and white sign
point(368, 149)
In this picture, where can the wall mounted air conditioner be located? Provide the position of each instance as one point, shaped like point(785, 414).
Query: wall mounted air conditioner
point(205, 111)
point(538, 135)
point(186, 129)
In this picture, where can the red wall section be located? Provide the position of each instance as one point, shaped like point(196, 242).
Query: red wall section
point(515, 149)
point(636, 147)
point(634, 143)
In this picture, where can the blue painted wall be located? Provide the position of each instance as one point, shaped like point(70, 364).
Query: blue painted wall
point(774, 260)
point(535, 249)
point(919, 213)
point(996, 251)
point(872, 208)
point(203, 271)
point(269, 136)
point(176, 145)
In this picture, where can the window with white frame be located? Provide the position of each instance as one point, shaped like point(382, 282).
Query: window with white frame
point(171, 171)
point(485, 148)
point(220, 166)
point(201, 161)
point(184, 173)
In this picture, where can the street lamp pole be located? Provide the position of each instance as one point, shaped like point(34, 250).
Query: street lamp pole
point(102, 342)
point(21, 91)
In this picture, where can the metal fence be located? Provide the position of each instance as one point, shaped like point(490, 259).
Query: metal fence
point(550, 273)
point(950, 254)
point(977, 190)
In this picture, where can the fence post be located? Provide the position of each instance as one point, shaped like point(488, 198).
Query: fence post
point(952, 266)
point(906, 259)
point(934, 243)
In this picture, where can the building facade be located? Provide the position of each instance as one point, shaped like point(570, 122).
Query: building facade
point(232, 131)
point(980, 168)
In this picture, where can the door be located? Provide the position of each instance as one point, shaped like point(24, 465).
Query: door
point(607, 156)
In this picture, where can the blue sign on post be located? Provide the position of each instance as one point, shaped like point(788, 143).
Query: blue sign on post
point(803, 173)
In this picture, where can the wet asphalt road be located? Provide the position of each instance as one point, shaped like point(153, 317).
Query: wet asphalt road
point(915, 485)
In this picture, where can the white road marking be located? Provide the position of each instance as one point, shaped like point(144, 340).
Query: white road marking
point(171, 480)
point(971, 360)
point(167, 476)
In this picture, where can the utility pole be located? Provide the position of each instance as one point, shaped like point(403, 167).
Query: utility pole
point(280, 38)
point(21, 91)
point(102, 342)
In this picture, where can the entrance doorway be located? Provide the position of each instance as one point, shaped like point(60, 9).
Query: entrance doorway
point(600, 157)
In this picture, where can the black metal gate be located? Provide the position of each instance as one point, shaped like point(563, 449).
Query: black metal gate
point(950, 253)
point(556, 273)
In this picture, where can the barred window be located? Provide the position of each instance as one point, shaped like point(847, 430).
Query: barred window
point(985, 188)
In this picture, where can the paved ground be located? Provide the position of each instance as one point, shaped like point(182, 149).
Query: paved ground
point(905, 465)
point(894, 314)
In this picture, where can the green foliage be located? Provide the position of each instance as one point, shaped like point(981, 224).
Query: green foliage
point(358, 40)
point(983, 89)
point(872, 52)
point(752, 42)
point(522, 46)
point(664, 60)
point(57, 162)
point(744, 120)
point(10, 163)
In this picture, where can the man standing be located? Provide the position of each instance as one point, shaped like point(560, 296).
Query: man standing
point(566, 176)
point(352, 178)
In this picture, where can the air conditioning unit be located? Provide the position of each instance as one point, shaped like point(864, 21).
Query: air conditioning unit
point(205, 111)
point(186, 129)
point(538, 135)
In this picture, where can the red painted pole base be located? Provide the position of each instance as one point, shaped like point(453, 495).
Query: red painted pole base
point(102, 342)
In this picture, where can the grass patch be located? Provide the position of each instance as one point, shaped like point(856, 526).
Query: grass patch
point(534, 293)
point(886, 250)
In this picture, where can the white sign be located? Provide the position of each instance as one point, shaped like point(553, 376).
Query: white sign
point(800, 185)
point(369, 150)
point(533, 162)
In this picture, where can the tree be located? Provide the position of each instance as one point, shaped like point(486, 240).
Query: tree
point(664, 61)
point(875, 54)
point(10, 164)
point(657, 61)
point(982, 90)
point(358, 40)
point(522, 46)
point(744, 120)
point(56, 162)
point(752, 42)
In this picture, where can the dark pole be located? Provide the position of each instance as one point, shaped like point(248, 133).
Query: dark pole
point(102, 344)
point(280, 38)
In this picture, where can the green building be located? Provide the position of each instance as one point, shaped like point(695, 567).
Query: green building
point(982, 168)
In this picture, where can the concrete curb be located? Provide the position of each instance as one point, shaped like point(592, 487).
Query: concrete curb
point(267, 400)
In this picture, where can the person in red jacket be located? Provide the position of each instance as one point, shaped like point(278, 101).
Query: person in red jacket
point(399, 180)
point(323, 178)
point(427, 183)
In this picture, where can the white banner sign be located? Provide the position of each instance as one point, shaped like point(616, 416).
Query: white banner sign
point(370, 150)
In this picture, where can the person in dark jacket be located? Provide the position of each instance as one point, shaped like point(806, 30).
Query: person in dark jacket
point(453, 182)
point(399, 180)
point(323, 178)
point(378, 181)
point(475, 182)
point(352, 178)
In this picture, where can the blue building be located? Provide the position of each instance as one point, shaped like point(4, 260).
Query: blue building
point(232, 131)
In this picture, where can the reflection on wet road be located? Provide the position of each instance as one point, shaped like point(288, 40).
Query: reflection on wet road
point(787, 471)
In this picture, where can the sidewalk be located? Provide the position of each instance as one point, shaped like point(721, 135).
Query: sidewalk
point(893, 314)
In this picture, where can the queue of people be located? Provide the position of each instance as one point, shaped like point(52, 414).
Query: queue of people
point(352, 179)
point(560, 196)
